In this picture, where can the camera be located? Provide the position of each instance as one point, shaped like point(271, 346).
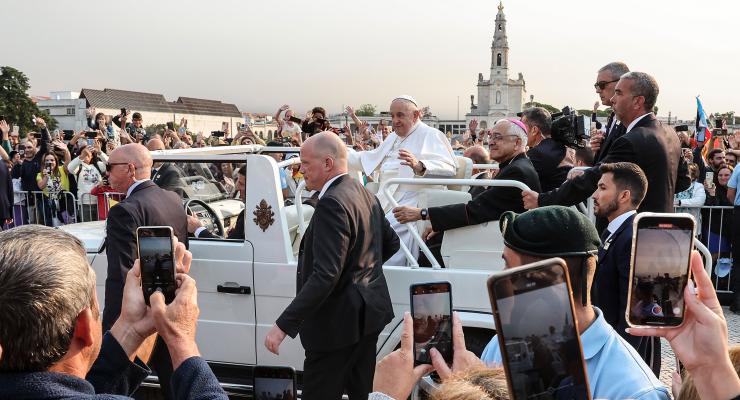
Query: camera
point(218, 133)
point(571, 129)
point(681, 128)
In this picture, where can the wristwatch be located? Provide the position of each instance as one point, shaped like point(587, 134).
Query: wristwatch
point(424, 214)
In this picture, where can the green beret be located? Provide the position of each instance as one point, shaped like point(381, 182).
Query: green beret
point(552, 231)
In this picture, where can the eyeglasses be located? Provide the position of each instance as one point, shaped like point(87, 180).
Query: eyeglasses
point(497, 137)
point(602, 84)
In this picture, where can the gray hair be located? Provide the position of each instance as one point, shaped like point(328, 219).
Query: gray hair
point(514, 129)
point(616, 69)
point(45, 282)
point(644, 85)
point(540, 118)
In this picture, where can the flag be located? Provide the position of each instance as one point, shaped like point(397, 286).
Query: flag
point(701, 121)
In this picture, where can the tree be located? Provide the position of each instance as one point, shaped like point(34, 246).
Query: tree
point(15, 104)
point(547, 107)
point(366, 110)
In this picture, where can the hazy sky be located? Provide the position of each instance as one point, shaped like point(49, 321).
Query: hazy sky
point(262, 54)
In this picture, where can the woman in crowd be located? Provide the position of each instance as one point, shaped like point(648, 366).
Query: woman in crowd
point(88, 170)
point(717, 222)
point(54, 181)
point(691, 199)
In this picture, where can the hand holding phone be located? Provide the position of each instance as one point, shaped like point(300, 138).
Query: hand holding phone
point(155, 245)
point(659, 269)
point(431, 310)
point(274, 383)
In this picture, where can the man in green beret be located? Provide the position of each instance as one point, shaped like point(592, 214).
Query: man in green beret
point(615, 370)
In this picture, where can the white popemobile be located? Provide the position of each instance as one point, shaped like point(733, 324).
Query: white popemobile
point(244, 285)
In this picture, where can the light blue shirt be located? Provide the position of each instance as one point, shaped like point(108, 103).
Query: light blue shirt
point(615, 370)
point(283, 178)
point(734, 183)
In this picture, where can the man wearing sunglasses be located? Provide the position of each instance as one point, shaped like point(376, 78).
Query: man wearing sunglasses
point(645, 143)
point(146, 204)
point(606, 82)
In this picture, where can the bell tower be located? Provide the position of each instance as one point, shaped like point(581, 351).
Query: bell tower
point(500, 47)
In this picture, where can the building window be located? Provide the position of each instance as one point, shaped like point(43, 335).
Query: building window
point(498, 59)
point(498, 97)
point(70, 111)
point(499, 27)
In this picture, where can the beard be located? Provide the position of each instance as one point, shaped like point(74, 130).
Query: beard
point(604, 210)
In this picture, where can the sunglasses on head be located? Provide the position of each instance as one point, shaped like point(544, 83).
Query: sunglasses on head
point(602, 84)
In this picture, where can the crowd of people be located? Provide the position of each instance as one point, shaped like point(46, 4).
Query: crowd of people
point(632, 164)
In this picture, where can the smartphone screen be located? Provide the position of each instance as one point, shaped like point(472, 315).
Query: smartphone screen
point(431, 310)
point(537, 332)
point(156, 255)
point(274, 383)
point(661, 249)
point(171, 126)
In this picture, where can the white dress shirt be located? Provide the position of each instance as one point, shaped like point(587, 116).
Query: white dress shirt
point(633, 123)
point(134, 185)
point(617, 222)
point(328, 183)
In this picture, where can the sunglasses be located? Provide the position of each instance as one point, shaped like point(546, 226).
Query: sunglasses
point(602, 84)
point(109, 167)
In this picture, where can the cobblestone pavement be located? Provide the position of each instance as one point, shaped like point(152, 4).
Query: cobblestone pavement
point(668, 362)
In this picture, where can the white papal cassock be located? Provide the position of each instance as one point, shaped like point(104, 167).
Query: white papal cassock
point(428, 145)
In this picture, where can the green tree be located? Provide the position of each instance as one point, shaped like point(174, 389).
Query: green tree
point(547, 107)
point(366, 110)
point(15, 104)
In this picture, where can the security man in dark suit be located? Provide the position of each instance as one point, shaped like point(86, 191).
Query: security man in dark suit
point(146, 204)
point(6, 190)
point(342, 301)
point(166, 175)
point(645, 143)
point(507, 144)
point(548, 156)
point(621, 189)
point(606, 82)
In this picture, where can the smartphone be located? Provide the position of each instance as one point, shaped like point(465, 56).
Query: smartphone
point(537, 331)
point(156, 257)
point(709, 177)
point(68, 134)
point(718, 123)
point(431, 310)
point(37, 135)
point(294, 119)
point(274, 383)
point(700, 135)
point(123, 112)
point(659, 269)
point(91, 134)
point(21, 152)
point(91, 142)
point(171, 126)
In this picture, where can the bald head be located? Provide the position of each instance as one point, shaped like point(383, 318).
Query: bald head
point(478, 154)
point(136, 154)
point(328, 144)
point(155, 144)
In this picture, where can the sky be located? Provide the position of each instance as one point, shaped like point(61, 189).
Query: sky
point(260, 55)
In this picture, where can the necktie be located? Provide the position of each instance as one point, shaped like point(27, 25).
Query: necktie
point(604, 239)
point(609, 123)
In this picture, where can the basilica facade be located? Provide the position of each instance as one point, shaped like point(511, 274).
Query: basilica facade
point(498, 96)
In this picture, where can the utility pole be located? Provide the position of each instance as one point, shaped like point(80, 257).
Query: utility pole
point(458, 108)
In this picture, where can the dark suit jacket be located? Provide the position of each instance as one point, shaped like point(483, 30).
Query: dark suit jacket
point(546, 158)
point(611, 281)
point(612, 134)
point(6, 193)
point(148, 205)
point(649, 146)
point(112, 376)
point(342, 294)
point(236, 233)
point(489, 205)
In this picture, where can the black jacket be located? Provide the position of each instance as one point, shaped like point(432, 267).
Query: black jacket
point(6, 194)
point(649, 146)
point(546, 158)
point(342, 294)
point(611, 281)
point(148, 205)
point(612, 134)
point(112, 376)
point(28, 169)
point(494, 201)
point(167, 176)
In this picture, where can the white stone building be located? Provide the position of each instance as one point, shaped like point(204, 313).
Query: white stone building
point(68, 108)
point(498, 96)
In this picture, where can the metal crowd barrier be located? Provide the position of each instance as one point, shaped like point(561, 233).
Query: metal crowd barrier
point(719, 243)
point(34, 207)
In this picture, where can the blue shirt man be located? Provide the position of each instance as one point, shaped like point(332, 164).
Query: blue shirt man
point(733, 183)
point(615, 370)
